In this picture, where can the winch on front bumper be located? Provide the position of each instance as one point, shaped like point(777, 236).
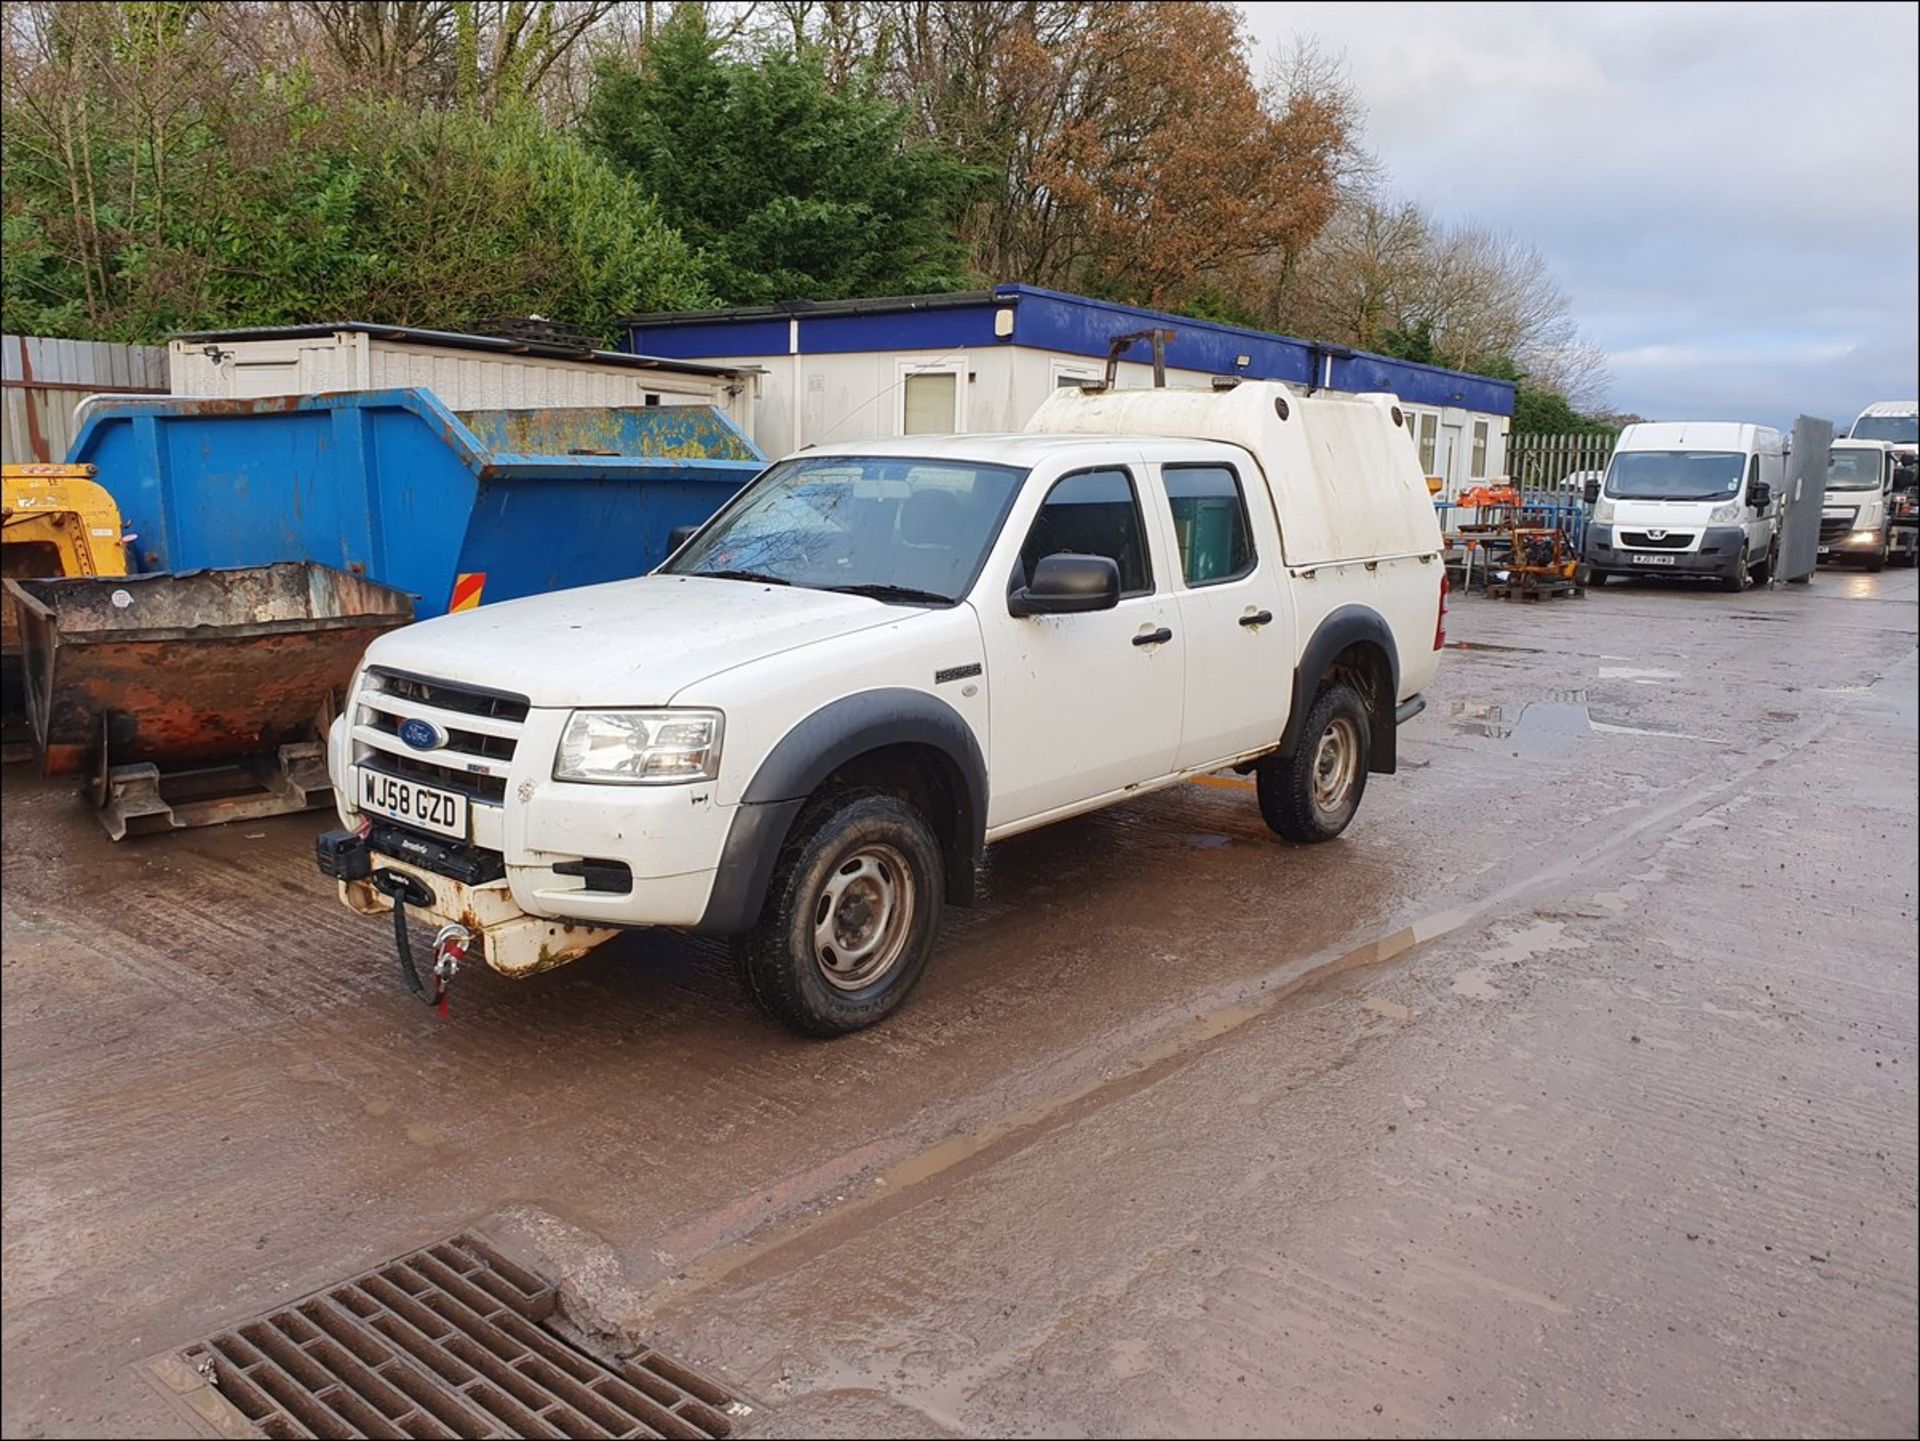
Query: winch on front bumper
point(380, 866)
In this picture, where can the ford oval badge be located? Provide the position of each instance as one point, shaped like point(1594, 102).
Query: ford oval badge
point(422, 735)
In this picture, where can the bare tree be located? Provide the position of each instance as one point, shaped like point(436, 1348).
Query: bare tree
point(446, 52)
point(1386, 275)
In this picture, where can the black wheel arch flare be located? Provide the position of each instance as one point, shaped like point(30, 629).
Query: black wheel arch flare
point(827, 740)
point(1344, 629)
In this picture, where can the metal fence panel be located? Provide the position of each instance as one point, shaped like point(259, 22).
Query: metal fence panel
point(44, 378)
point(1557, 463)
point(1805, 483)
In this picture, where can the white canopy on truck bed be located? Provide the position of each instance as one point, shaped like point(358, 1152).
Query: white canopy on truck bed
point(1312, 448)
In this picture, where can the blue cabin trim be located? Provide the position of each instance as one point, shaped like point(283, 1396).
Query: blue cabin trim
point(1054, 321)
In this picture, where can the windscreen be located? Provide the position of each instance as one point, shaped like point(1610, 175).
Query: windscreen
point(1900, 429)
point(1675, 474)
point(897, 527)
point(1850, 468)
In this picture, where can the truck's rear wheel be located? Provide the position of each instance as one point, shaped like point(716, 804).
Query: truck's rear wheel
point(850, 917)
point(1311, 795)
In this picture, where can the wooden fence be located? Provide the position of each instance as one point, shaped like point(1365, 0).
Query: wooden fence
point(44, 379)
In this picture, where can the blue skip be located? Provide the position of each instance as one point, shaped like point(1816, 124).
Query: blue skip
point(456, 510)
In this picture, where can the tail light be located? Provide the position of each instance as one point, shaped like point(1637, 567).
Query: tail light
point(1440, 625)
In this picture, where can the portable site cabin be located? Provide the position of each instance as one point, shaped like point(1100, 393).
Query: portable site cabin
point(464, 372)
point(985, 360)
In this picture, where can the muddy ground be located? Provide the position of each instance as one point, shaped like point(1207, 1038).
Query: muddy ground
point(1572, 1092)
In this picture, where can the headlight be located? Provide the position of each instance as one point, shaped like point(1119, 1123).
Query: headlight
point(1724, 513)
point(639, 747)
point(1865, 536)
point(1603, 512)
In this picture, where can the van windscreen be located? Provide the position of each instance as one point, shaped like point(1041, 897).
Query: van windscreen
point(1900, 429)
point(1854, 468)
point(1674, 474)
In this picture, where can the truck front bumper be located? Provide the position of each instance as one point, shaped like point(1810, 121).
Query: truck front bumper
point(1855, 544)
point(1717, 554)
point(512, 942)
point(549, 837)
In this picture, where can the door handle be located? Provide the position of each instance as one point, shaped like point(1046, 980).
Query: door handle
point(1153, 637)
point(1259, 617)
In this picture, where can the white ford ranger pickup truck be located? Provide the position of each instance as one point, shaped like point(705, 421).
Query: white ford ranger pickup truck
point(878, 658)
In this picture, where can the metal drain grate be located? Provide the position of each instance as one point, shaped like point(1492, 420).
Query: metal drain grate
point(449, 1341)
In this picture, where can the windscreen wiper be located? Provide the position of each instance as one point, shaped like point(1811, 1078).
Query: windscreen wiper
point(891, 592)
point(740, 575)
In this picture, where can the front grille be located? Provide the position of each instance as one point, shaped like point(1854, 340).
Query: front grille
point(1644, 540)
point(1835, 527)
point(482, 729)
point(467, 742)
point(446, 695)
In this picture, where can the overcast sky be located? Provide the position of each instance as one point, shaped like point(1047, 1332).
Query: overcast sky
point(1727, 193)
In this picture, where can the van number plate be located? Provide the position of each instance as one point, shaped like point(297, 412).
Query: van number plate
point(409, 802)
point(1652, 560)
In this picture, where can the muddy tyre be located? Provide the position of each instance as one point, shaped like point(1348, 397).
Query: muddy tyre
point(1311, 795)
point(850, 916)
point(1763, 572)
point(1598, 577)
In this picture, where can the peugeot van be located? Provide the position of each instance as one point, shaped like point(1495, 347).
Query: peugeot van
point(1689, 497)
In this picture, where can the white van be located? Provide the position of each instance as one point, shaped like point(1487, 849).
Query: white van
point(1688, 497)
point(1895, 421)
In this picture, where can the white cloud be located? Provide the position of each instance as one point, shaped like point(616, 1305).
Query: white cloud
point(1732, 183)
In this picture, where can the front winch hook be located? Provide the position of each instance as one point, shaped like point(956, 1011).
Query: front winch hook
point(449, 946)
point(449, 950)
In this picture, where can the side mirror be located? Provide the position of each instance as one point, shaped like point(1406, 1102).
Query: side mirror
point(679, 536)
point(1592, 492)
point(1760, 495)
point(1068, 584)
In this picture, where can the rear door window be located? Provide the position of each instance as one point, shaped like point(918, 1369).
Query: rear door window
point(1210, 522)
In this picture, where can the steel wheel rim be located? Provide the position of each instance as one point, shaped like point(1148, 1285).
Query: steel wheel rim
point(862, 917)
point(1336, 763)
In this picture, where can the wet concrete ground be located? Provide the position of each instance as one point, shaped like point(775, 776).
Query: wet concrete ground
point(1572, 1092)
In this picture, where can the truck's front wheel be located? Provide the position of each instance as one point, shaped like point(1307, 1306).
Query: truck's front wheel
point(850, 918)
point(1309, 796)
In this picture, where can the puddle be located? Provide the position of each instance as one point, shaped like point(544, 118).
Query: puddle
point(1206, 842)
point(1535, 939)
point(1475, 983)
point(1480, 718)
point(1549, 726)
point(1392, 1010)
point(1538, 726)
point(1489, 645)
